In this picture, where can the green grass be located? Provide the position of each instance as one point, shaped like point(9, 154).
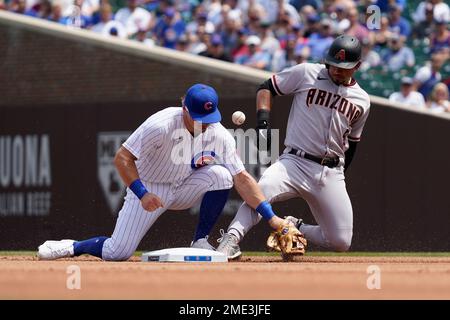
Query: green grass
point(311, 254)
point(17, 253)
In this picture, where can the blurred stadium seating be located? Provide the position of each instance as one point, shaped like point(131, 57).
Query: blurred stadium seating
point(376, 80)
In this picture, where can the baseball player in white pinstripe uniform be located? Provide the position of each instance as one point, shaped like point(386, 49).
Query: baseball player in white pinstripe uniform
point(326, 121)
point(177, 158)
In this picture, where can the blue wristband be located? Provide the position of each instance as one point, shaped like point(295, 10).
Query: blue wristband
point(265, 209)
point(138, 188)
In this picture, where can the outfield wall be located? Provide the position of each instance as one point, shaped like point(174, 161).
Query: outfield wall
point(69, 98)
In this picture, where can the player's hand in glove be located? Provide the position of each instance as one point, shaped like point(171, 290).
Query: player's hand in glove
point(263, 135)
point(288, 240)
point(151, 202)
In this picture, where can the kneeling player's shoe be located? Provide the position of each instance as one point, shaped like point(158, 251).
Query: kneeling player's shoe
point(229, 246)
point(51, 250)
point(296, 221)
point(202, 244)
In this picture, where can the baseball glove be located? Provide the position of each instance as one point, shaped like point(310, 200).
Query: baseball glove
point(287, 240)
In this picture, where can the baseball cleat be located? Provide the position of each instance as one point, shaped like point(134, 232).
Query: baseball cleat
point(229, 246)
point(202, 244)
point(51, 250)
point(296, 221)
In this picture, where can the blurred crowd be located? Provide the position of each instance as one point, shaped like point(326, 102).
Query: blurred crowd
point(274, 34)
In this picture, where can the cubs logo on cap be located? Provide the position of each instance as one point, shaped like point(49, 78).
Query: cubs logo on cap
point(208, 105)
point(202, 103)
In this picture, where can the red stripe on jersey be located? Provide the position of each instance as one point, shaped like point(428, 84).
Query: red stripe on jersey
point(354, 139)
point(352, 83)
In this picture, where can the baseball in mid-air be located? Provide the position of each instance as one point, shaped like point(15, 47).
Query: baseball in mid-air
point(238, 118)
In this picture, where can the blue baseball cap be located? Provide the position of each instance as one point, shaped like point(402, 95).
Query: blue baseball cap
point(313, 18)
point(170, 12)
point(202, 103)
point(216, 40)
point(113, 31)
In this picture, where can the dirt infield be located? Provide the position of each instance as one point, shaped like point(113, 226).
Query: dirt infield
point(24, 277)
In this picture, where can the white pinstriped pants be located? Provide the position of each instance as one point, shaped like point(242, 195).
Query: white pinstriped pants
point(323, 189)
point(134, 222)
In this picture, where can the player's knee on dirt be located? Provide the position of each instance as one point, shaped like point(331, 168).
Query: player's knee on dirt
point(118, 252)
point(340, 241)
point(118, 257)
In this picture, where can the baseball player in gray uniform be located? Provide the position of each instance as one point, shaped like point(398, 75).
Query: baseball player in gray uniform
point(325, 123)
point(179, 157)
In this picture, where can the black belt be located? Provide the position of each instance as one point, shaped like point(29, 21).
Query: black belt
point(327, 161)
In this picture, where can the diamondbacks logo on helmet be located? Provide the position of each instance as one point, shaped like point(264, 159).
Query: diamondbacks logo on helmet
point(202, 159)
point(340, 55)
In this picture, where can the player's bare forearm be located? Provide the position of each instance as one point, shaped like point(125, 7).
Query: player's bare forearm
point(263, 100)
point(124, 162)
point(251, 193)
point(248, 189)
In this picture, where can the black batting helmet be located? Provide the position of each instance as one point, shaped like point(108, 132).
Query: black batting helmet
point(344, 52)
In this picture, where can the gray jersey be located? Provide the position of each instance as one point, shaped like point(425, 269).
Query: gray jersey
point(324, 116)
point(167, 153)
